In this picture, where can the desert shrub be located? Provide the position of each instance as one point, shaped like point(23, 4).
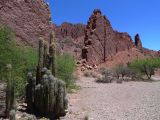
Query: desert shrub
point(146, 66)
point(105, 79)
point(121, 71)
point(65, 68)
point(126, 73)
point(90, 74)
point(22, 59)
point(101, 70)
point(107, 76)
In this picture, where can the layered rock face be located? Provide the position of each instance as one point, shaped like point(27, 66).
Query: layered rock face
point(29, 19)
point(101, 41)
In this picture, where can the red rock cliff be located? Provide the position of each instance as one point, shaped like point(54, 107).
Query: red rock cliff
point(101, 41)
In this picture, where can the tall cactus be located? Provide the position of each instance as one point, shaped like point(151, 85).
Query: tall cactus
point(48, 95)
point(10, 99)
point(40, 60)
point(60, 98)
point(52, 95)
point(30, 91)
point(46, 54)
point(37, 97)
point(45, 94)
point(52, 52)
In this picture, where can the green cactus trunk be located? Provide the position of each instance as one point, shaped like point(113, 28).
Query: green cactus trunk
point(40, 60)
point(52, 52)
point(10, 99)
point(60, 99)
point(30, 91)
point(46, 54)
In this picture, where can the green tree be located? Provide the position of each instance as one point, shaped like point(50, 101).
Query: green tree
point(146, 66)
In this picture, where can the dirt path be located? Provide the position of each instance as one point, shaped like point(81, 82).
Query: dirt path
point(127, 101)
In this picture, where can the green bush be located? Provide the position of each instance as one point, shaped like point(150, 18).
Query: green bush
point(7, 48)
point(146, 66)
point(22, 59)
point(65, 68)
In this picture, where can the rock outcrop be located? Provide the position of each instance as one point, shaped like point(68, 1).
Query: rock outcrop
point(70, 30)
point(70, 38)
point(29, 19)
point(138, 42)
point(101, 41)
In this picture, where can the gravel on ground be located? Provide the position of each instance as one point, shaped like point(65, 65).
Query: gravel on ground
point(126, 101)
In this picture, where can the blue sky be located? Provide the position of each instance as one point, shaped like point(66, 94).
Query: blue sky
point(132, 16)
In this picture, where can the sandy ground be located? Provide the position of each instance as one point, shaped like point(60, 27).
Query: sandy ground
point(126, 101)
